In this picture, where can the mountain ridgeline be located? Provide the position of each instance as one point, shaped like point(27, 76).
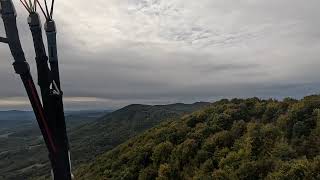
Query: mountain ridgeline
point(230, 139)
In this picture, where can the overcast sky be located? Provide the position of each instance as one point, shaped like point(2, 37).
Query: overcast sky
point(117, 52)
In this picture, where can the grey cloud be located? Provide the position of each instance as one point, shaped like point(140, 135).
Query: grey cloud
point(166, 51)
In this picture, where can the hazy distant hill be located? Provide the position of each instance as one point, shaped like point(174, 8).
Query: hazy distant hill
point(21, 144)
point(237, 139)
point(16, 115)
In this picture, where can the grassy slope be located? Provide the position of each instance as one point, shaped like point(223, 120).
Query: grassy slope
point(238, 139)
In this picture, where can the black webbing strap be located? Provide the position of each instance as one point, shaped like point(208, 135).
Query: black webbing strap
point(57, 103)
point(3, 40)
point(52, 103)
point(54, 128)
point(22, 68)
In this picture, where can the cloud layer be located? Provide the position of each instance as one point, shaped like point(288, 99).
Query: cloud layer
point(118, 52)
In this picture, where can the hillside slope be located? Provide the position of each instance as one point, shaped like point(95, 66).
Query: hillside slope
point(91, 139)
point(117, 127)
point(237, 139)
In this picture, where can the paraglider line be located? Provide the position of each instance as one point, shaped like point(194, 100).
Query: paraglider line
point(51, 11)
point(46, 5)
point(25, 6)
point(42, 10)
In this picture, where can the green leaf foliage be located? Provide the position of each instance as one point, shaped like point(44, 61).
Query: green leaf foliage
point(230, 139)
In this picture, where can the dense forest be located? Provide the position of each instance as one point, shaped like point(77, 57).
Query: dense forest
point(108, 131)
point(230, 139)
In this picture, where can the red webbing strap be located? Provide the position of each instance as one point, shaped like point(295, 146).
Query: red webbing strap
point(39, 112)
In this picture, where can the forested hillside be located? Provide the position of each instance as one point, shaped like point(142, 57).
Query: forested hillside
point(115, 128)
point(231, 139)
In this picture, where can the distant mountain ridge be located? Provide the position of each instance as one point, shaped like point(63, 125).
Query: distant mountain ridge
point(16, 115)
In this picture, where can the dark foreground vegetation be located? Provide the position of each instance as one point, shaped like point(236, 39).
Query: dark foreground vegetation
point(231, 139)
